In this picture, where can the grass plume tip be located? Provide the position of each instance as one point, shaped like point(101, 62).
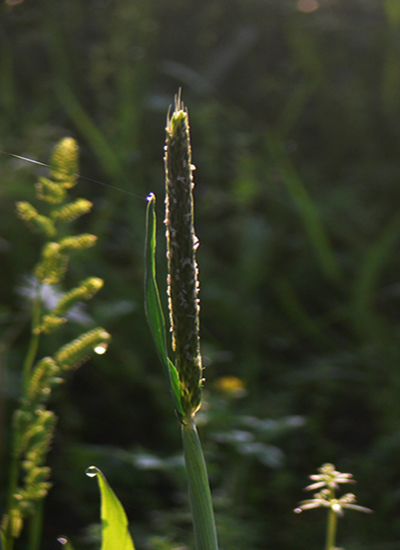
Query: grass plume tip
point(183, 286)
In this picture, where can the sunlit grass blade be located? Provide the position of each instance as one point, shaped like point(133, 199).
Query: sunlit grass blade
point(154, 313)
point(307, 210)
point(315, 328)
point(107, 157)
point(377, 258)
point(115, 534)
point(296, 103)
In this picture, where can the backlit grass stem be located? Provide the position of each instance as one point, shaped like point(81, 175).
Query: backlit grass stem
point(199, 490)
point(184, 309)
point(185, 373)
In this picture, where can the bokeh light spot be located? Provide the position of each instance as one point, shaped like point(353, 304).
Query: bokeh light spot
point(307, 6)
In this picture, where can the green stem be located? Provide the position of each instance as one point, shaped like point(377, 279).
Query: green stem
point(26, 372)
point(35, 527)
point(13, 484)
point(34, 341)
point(199, 489)
point(8, 542)
point(331, 530)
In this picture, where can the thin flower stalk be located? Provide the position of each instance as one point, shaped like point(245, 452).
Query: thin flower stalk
point(328, 480)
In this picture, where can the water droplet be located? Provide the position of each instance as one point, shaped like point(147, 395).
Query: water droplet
point(100, 348)
point(298, 511)
point(92, 471)
point(150, 197)
point(62, 540)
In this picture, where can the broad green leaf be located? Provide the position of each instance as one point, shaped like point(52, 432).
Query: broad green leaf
point(115, 534)
point(154, 313)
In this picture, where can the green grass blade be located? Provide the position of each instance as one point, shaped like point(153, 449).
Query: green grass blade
point(315, 328)
point(115, 534)
point(199, 490)
point(306, 208)
point(106, 155)
point(365, 286)
point(154, 313)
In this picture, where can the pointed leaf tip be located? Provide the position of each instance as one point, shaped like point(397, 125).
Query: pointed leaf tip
point(115, 534)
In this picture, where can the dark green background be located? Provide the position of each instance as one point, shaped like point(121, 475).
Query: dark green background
point(295, 123)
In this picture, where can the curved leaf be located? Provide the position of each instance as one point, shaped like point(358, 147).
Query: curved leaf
point(154, 313)
point(115, 534)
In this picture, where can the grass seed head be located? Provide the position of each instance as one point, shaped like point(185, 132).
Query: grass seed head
point(183, 286)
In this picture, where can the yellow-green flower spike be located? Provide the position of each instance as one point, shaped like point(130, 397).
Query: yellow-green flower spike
point(182, 242)
point(80, 350)
point(64, 163)
point(37, 434)
point(53, 265)
point(79, 242)
point(49, 324)
point(13, 523)
point(85, 291)
point(43, 378)
point(33, 424)
point(47, 190)
point(41, 224)
point(72, 211)
point(34, 444)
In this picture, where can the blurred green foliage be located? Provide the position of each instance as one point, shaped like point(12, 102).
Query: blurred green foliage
point(294, 108)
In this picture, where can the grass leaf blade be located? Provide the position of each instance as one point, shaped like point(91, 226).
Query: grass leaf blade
point(115, 534)
point(154, 313)
point(377, 259)
point(308, 212)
